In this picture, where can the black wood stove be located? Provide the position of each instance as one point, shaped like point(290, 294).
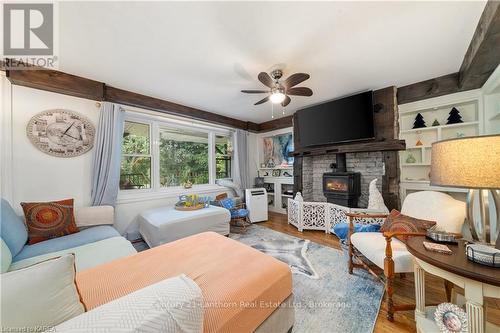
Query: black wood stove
point(341, 187)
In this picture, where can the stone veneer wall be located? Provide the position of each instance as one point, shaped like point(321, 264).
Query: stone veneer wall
point(370, 165)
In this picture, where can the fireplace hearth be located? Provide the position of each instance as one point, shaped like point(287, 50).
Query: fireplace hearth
point(341, 187)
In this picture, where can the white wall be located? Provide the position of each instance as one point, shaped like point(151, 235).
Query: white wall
point(256, 150)
point(31, 175)
point(491, 93)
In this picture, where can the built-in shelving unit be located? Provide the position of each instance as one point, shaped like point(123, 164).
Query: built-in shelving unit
point(279, 188)
point(415, 171)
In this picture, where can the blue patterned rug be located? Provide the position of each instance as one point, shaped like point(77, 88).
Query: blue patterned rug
point(327, 298)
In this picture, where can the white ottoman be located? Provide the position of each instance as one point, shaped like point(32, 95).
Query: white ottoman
point(165, 224)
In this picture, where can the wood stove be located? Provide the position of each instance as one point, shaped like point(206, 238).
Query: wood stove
point(341, 187)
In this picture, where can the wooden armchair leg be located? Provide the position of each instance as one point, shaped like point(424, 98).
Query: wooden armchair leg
point(351, 229)
point(448, 287)
point(389, 279)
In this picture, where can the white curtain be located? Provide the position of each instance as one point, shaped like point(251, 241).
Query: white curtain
point(241, 169)
point(107, 155)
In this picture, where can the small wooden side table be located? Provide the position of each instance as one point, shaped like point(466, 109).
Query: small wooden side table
point(477, 280)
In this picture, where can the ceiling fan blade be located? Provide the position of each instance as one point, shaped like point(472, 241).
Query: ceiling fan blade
point(286, 101)
point(265, 79)
point(262, 101)
point(295, 79)
point(299, 91)
point(255, 91)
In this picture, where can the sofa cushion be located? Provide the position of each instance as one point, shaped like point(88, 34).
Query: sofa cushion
point(372, 246)
point(6, 257)
point(46, 220)
point(40, 296)
point(88, 255)
point(85, 236)
point(12, 229)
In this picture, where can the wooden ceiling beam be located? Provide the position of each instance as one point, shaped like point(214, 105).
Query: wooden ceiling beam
point(483, 54)
point(443, 85)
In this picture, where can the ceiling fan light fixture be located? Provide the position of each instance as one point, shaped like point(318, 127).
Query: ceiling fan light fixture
point(277, 97)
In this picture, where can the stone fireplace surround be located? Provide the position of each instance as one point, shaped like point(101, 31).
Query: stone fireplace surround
point(369, 164)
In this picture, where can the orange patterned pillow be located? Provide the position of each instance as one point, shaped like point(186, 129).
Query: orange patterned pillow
point(46, 220)
point(403, 223)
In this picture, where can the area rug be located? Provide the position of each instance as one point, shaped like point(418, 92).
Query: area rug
point(333, 302)
point(290, 250)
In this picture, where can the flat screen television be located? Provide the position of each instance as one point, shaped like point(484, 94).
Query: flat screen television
point(341, 120)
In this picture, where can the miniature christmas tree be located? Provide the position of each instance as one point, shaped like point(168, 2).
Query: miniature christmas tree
point(455, 117)
point(419, 121)
point(436, 123)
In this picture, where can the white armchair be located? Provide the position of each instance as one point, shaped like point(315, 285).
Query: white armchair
point(390, 254)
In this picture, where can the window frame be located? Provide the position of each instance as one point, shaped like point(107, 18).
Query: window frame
point(155, 124)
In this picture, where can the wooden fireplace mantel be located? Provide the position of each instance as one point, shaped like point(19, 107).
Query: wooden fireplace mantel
point(352, 147)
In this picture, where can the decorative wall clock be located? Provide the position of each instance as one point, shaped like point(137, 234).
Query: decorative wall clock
point(61, 133)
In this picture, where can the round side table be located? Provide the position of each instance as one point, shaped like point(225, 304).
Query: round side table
point(477, 280)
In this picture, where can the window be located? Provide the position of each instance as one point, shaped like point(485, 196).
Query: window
point(183, 157)
point(223, 156)
point(136, 156)
point(158, 154)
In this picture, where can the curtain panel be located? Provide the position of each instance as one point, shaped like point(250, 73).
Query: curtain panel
point(107, 155)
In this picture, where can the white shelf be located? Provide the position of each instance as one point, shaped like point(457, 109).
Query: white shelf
point(278, 168)
point(415, 164)
point(424, 129)
point(287, 195)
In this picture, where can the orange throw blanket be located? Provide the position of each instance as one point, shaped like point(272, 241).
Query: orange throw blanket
point(241, 286)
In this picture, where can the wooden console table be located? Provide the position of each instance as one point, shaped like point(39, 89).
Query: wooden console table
point(477, 280)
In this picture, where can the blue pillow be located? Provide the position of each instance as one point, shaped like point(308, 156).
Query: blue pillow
point(341, 230)
point(12, 229)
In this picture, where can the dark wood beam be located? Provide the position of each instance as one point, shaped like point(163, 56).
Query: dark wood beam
point(352, 147)
point(125, 97)
point(276, 124)
point(58, 82)
point(443, 85)
point(68, 84)
point(483, 54)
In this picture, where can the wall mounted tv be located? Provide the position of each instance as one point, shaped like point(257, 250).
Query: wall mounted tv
point(341, 120)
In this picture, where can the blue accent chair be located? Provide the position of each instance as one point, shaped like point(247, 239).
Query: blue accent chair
point(239, 214)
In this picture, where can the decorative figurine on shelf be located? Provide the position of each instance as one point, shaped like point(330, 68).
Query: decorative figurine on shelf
point(436, 123)
point(418, 143)
point(460, 135)
point(411, 159)
point(271, 164)
point(188, 184)
point(419, 121)
point(455, 117)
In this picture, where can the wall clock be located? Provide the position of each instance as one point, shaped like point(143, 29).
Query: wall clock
point(61, 133)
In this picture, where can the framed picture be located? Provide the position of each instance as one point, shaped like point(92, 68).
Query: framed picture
point(276, 173)
point(276, 149)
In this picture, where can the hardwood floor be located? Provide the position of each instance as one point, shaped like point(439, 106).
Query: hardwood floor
point(404, 287)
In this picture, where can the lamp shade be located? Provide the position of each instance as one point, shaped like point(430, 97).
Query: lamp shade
point(472, 162)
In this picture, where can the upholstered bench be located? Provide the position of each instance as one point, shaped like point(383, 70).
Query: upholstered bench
point(166, 224)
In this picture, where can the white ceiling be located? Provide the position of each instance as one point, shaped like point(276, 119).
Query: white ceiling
point(203, 54)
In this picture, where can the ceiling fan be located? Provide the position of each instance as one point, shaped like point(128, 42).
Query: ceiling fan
point(280, 92)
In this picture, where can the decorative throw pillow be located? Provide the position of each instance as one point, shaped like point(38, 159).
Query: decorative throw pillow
point(375, 199)
point(47, 220)
point(41, 296)
point(403, 223)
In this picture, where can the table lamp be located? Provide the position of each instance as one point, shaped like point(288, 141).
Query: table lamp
point(472, 163)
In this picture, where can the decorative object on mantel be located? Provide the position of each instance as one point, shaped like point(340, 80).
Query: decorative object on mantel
point(191, 202)
point(419, 121)
point(187, 184)
point(436, 123)
point(471, 163)
point(270, 164)
point(263, 165)
point(441, 236)
point(483, 254)
point(450, 318)
point(455, 117)
point(276, 173)
point(287, 174)
point(411, 159)
point(61, 133)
